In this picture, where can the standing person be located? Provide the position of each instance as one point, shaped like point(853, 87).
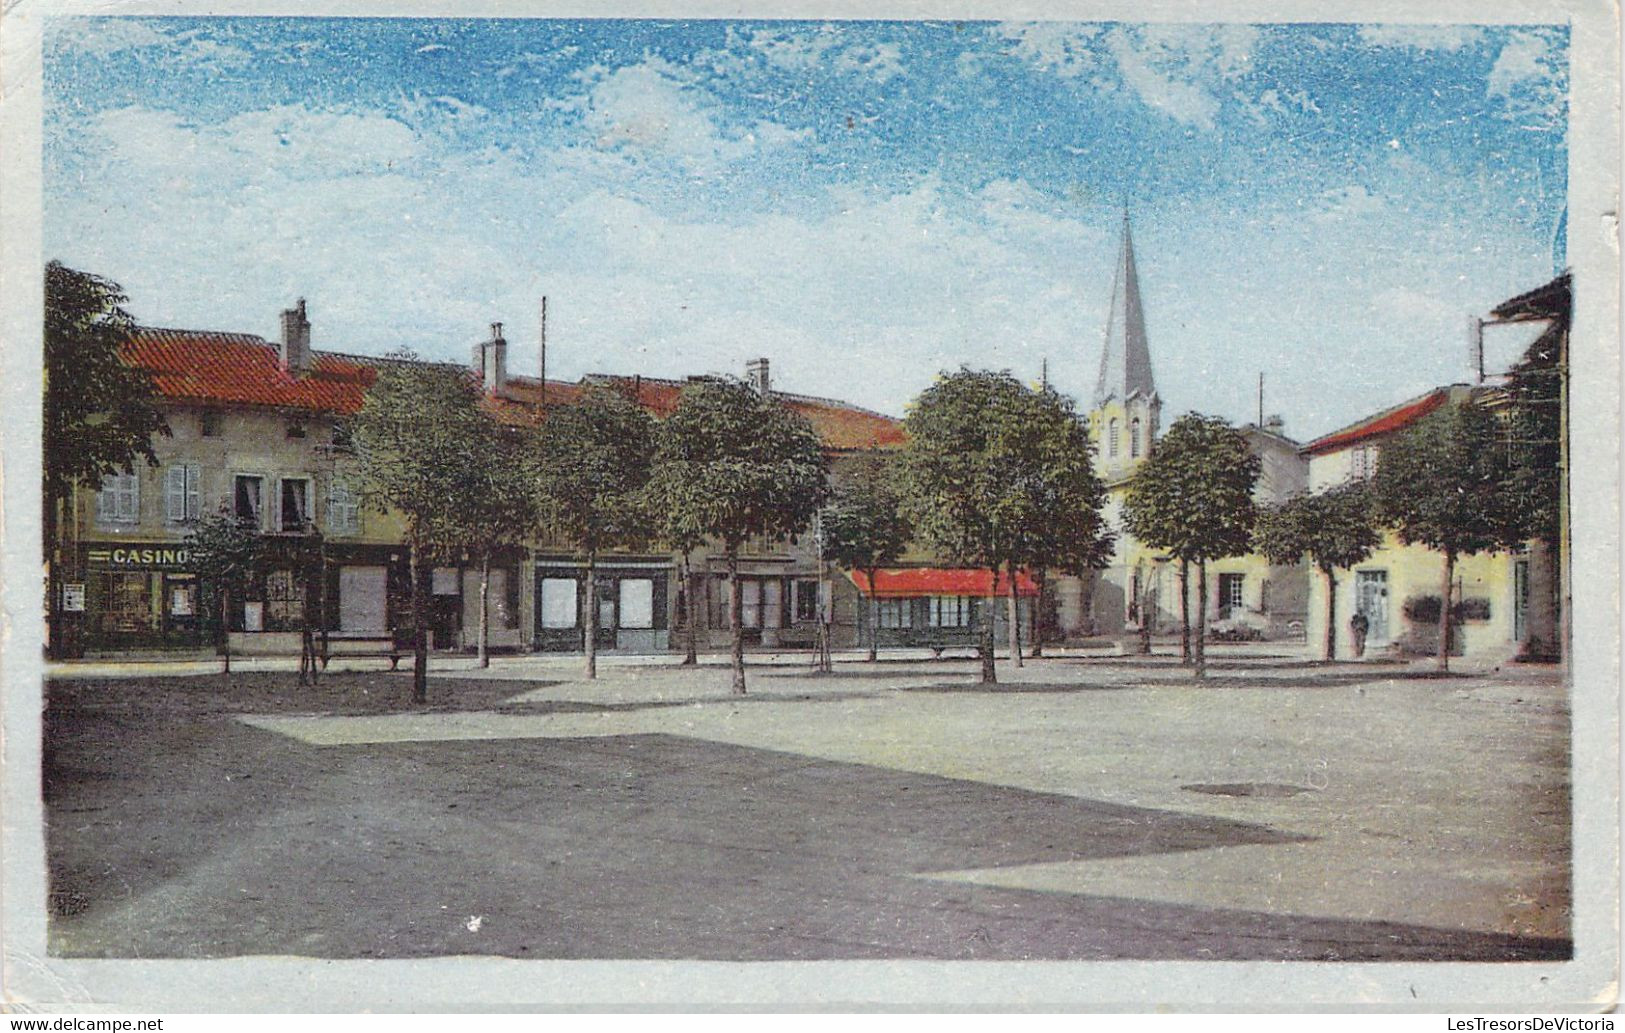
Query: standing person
point(1359, 625)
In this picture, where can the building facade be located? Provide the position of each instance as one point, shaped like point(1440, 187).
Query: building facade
point(1503, 597)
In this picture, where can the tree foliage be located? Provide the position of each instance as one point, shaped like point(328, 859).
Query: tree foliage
point(99, 415)
point(227, 553)
point(1333, 530)
point(865, 527)
point(999, 476)
point(416, 438)
point(731, 463)
point(1535, 390)
point(596, 460)
point(1445, 482)
point(1193, 498)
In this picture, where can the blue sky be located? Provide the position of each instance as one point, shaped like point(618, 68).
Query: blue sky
point(865, 203)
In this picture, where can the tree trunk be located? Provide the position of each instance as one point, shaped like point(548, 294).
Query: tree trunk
point(735, 628)
point(1015, 616)
point(691, 656)
point(985, 638)
point(1331, 612)
point(420, 629)
point(591, 621)
point(1038, 614)
point(1201, 619)
point(1444, 610)
point(1185, 612)
point(484, 647)
point(874, 618)
point(225, 630)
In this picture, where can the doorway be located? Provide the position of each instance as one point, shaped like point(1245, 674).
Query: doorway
point(1371, 599)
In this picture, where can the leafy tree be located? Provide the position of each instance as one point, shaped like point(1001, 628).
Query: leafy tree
point(499, 507)
point(731, 463)
point(1053, 467)
point(1334, 530)
point(864, 525)
point(100, 415)
point(413, 437)
point(596, 462)
point(1193, 498)
point(227, 553)
point(999, 476)
point(1443, 482)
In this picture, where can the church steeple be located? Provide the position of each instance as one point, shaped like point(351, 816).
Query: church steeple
point(1125, 359)
point(1127, 414)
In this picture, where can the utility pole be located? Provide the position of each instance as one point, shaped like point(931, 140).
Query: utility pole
point(541, 371)
point(1260, 399)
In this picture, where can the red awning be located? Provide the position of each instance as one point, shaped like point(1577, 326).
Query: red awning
point(913, 582)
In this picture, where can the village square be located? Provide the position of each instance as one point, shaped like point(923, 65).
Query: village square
point(428, 650)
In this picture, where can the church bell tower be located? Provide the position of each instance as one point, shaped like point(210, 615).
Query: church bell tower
point(1126, 414)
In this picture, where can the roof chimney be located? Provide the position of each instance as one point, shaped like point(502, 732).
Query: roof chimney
point(491, 361)
point(1274, 424)
point(295, 346)
point(756, 375)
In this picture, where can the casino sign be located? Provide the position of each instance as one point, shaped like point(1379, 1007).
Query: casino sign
point(140, 557)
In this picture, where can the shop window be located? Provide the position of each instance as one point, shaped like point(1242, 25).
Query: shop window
point(558, 604)
point(128, 606)
point(343, 509)
point(896, 613)
point(443, 581)
point(950, 611)
point(637, 602)
point(248, 499)
point(294, 513)
point(750, 603)
point(119, 501)
point(182, 493)
point(806, 601)
point(284, 601)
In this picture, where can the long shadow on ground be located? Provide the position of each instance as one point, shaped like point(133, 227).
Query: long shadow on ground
point(175, 838)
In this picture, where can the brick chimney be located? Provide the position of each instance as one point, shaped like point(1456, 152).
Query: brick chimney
point(756, 375)
point(295, 345)
point(491, 361)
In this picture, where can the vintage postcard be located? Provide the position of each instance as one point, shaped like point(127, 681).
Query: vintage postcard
point(947, 505)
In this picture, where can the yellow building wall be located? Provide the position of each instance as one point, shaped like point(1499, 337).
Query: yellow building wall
point(1413, 571)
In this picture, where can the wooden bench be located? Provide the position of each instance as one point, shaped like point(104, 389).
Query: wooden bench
point(381, 649)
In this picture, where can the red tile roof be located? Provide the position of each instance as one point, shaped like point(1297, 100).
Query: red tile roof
point(912, 582)
point(241, 369)
point(1402, 415)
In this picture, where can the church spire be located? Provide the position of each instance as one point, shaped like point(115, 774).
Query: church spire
point(1125, 360)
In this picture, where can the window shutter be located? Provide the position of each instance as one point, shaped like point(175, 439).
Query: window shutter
point(175, 494)
point(194, 492)
point(129, 498)
point(104, 502)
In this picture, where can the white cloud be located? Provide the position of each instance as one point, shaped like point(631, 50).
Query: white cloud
point(102, 37)
point(1178, 70)
point(1421, 37)
point(1530, 80)
point(654, 109)
point(1064, 49)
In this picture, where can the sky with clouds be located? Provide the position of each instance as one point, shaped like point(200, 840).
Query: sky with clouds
point(865, 203)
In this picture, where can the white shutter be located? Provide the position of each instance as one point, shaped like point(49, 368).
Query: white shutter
point(127, 509)
point(175, 494)
point(104, 502)
point(194, 492)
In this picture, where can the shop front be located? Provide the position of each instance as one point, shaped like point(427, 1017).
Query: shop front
point(632, 601)
point(128, 596)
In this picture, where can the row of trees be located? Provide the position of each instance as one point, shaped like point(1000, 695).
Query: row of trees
point(1451, 482)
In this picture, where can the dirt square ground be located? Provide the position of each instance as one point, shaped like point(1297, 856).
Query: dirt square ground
point(1086, 807)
